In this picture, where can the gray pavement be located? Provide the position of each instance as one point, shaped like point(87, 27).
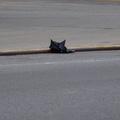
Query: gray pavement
point(76, 86)
point(31, 24)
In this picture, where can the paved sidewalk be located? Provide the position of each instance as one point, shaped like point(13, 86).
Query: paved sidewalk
point(30, 25)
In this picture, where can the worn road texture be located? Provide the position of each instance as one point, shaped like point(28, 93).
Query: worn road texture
point(26, 24)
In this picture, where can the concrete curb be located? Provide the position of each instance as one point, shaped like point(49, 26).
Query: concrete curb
point(24, 52)
point(47, 50)
point(97, 48)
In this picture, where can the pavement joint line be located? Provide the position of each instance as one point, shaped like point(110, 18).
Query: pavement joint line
point(24, 2)
point(47, 50)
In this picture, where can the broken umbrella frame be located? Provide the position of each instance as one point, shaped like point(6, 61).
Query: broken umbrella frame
point(59, 47)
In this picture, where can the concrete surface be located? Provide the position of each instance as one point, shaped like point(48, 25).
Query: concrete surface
point(31, 24)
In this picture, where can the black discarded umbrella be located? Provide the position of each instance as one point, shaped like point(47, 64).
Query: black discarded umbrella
point(59, 47)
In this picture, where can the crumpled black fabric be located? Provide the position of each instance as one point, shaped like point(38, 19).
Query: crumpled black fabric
point(59, 47)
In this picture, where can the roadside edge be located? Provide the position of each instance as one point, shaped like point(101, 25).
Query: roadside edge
point(47, 50)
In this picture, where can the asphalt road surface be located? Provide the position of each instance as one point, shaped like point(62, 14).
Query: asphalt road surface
point(26, 24)
point(79, 86)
